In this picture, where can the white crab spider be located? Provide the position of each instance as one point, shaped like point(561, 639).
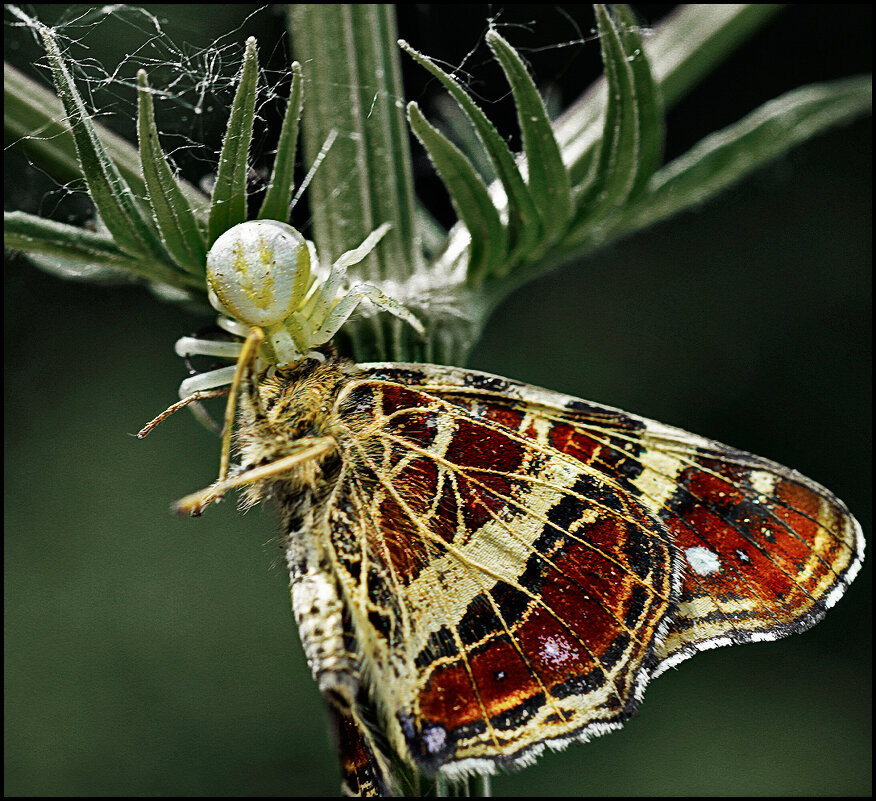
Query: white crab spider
point(259, 275)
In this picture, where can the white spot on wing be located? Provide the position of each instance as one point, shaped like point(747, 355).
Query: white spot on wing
point(763, 482)
point(702, 560)
point(555, 651)
point(434, 738)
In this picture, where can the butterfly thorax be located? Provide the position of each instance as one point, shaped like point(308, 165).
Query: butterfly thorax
point(289, 408)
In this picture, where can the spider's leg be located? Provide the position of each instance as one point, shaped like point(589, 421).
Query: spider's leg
point(232, 326)
point(335, 318)
point(322, 304)
point(347, 305)
point(201, 382)
point(356, 255)
point(192, 346)
point(385, 302)
point(325, 298)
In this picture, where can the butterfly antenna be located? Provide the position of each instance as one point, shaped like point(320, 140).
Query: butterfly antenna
point(245, 363)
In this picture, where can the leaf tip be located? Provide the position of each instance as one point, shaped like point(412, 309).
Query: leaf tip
point(406, 47)
point(603, 18)
point(495, 39)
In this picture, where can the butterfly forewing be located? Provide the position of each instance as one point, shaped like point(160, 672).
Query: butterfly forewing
point(510, 594)
point(765, 550)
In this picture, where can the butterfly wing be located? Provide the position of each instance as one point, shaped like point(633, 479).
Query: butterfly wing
point(766, 550)
point(504, 595)
point(527, 560)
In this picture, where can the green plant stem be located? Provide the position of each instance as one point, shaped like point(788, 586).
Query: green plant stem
point(351, 63)
point(350, 60)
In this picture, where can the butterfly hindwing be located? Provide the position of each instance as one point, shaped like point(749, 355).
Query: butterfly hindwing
point(364, 769)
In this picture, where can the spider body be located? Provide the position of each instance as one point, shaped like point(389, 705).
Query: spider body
point(265, 273)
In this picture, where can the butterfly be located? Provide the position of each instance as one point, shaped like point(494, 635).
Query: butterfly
point(481, 569)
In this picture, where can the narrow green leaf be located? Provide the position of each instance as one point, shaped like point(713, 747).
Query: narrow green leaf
point(174, 216)
point(228, 205)
point(116, 204)
point(453, 122)
point(725, 157)
point(33, 120)
point(683, 49)
point(279, 195)
point(469, 196)
point(616, 168)
point(68, 244)
point(695, 38)
point(434, 235)
point(42, 134)
point(548, 179)
point(648, 100)
point(523, 220)
point(71, 269)
point(33, 234)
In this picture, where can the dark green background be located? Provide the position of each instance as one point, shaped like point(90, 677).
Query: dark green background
point(149, 655)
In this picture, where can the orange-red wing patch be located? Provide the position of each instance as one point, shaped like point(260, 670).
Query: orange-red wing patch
point(766, 550)
point(361, 772)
